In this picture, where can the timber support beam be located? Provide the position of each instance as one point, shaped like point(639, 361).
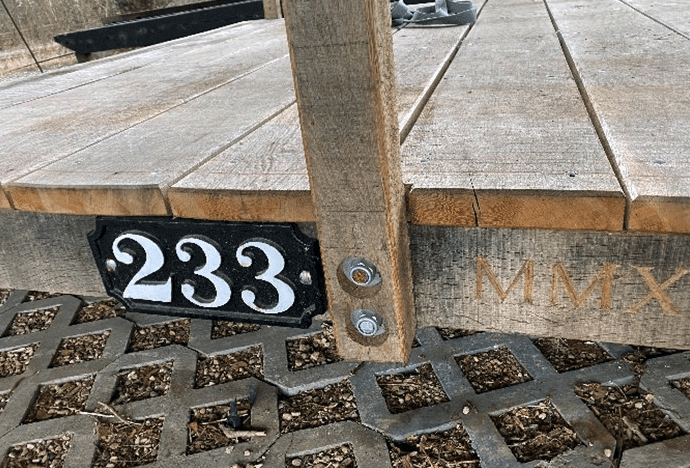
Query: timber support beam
point(342, 63)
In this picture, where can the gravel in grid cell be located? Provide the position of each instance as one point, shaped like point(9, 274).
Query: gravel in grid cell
point(536, 432)
point(491, 370)
point(318, 407)
point(47, 453)
point(214, 370)
point(411, 390)
point(208, 428)
point(313, 350)
point(129, 444)
point(342, 456)
point(143, 382)
point(81, 348)
point(449, 448)
point(58, 400)
point(159, 335)
point(32, 321)
point(628, 413)
point(566, 355)
point(15, 361)
point(225, 328)
point(101, 310)
point(452, 333)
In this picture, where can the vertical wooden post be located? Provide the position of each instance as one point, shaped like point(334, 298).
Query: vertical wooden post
point(272, 9)
point(342, 63)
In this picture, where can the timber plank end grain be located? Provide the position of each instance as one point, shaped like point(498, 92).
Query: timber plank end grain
point(657, 214)
point(441, 207)
point(103, 201)
point(4, 201)
point(551, 210)
point(517, 209)
point(259, 206)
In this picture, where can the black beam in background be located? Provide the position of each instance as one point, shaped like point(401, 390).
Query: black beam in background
point(156, 29)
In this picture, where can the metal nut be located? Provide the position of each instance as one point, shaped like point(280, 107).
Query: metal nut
point(367, 323)
point(361, 272)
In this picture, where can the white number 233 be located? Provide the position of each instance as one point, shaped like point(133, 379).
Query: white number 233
point(159, 291)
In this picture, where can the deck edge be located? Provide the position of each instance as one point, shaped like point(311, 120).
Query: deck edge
point(102, 201)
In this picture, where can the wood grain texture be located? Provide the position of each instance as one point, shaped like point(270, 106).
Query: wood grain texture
point(40, 131)
point(4, 202)
point(272, 9)
point(621, 288)
point(19, 90)
point(47, 253)
point(342, 62)
point(630, 288)
point(102, 199)
point(507, 125)
point(262, 177)
point(635, 73)
point(240, 183)
point(422, 56)
point(154, 154)
point(673, 14)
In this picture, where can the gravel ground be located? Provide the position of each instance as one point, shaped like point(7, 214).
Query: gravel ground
point(535, 432)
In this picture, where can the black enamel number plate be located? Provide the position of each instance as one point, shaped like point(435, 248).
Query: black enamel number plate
point(260, 273)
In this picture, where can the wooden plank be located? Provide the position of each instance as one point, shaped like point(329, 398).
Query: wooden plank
point(18, 91)
point(674, 14)
point(505, 141)
point(635, 73)
point(48, 253)
point(422, 56)
point(55, 126)
point(621, 288)
point(154, 154)
point(342, 62)
point(264, 176)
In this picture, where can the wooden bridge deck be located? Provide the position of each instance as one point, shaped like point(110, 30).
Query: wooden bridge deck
point(556, 115)
point(518, 134)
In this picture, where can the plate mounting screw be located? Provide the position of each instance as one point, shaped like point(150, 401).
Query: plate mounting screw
point(305, 277)
point(110, 265)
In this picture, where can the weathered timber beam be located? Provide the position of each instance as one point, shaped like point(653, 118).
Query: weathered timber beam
point(342, 62)
point(48, 252)
point(613, 287)
point(272, 9)
point(629, 288)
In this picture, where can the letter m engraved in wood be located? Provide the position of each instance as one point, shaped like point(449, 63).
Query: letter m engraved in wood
point(605, 277)
point(527, 270)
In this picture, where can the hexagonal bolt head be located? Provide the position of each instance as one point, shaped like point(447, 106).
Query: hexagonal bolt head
point(361, 272)
point(367, 323)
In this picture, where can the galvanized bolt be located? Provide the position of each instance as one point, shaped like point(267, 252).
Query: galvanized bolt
point(110, 265)
point(367, 323)
point(361, 272)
